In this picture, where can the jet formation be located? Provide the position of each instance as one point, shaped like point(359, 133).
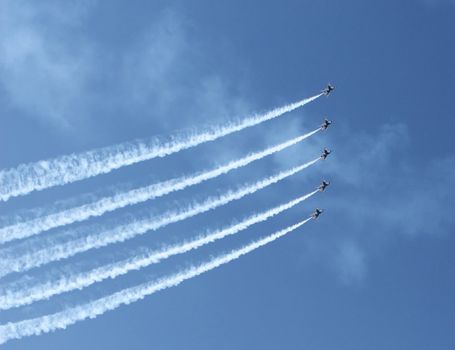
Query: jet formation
point(327, 91)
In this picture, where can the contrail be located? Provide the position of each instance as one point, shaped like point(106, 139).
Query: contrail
point(35, 226)
point(74, 167)
point(128, 231)
point(65, 318)
point(20, 294)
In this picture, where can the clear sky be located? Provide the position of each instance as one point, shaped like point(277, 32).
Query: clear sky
point(375, 272)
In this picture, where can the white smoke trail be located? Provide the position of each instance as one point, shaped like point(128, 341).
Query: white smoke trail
point(21, 295)
point(70, 168)
point(35, 226)
point(128, 231)
point(65, 318)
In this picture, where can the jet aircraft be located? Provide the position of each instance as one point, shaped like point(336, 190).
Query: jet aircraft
point(323, 185)
point(326, 124)
point(325, 153)
point(316, 213)
point(328, 90)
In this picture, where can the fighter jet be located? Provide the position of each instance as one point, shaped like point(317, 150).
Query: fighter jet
point(316, 213)
point(328, 90)
point(326, 124)
point(325, 153)
point(323, 185)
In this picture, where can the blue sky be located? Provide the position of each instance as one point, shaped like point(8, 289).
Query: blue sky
point(375, 272)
